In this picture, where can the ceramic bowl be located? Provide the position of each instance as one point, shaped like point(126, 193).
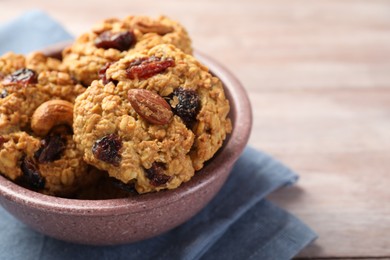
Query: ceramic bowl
point(126, 220)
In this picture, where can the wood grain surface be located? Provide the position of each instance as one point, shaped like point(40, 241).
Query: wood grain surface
point(318, 75)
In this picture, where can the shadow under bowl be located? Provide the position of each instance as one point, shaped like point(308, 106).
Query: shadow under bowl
point(126, 220)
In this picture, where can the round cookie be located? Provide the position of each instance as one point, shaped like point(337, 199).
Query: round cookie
point(50, 165)
point(42, 157)
point(110, 40)
point(25, 83)
point(123, 126)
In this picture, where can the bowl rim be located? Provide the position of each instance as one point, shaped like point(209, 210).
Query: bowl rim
point(232, 149)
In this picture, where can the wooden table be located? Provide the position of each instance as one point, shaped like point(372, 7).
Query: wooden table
point(318, 75)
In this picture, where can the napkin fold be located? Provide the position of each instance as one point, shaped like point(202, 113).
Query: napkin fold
point(239, 223)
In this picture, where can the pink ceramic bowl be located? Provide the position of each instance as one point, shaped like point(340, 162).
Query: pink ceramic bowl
point(119, 221)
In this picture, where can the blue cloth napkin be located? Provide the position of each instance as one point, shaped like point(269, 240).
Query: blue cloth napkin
point(31, 31)
point(239, 223)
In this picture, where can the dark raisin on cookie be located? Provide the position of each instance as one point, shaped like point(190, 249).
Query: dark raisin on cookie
point(121, 41)
point(156, 174)
point(188, 105)
point(147, 67)
point(23, 76)
point(52, 148)
point(103, 76)
point(31, 177)
point(102, 72)
point(107, 149)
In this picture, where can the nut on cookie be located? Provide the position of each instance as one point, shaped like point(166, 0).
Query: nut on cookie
point(36, 117)
point(153, 119)
point(110, 41)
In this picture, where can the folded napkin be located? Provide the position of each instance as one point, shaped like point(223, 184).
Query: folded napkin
point(239, 223)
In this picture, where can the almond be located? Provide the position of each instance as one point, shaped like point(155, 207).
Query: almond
point(151, 27)
point(150, 106)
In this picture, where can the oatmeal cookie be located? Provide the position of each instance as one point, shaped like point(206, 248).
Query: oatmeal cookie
point(25, 83)
point(110, 40)
point(37, 61)
point(34, 150)
point(153, 119)
point(51, 165)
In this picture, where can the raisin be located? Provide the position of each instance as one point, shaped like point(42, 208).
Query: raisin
point(144, 68)
point(188, 105)
point(3, 93)
point(102, 74)
point(121, 41)
point(107, 149)
point(22, 76)
point(31, 176)
point(52, 148)
point(156, 174)
point(2, 140)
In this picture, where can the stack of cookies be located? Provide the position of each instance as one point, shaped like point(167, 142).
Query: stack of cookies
point(127, 105)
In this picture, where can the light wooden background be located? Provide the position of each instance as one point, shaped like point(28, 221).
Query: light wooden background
point(318, 75)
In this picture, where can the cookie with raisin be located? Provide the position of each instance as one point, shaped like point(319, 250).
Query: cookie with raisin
point(51, 165)
point(113, 38)
point(43, 156)
point(27, 82)
point(153, 119)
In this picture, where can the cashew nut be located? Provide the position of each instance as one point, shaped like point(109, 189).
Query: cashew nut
point(50, 114)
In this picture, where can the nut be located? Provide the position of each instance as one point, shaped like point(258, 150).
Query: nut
point(150, 106)
point(153, 28)
point(50, 114)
